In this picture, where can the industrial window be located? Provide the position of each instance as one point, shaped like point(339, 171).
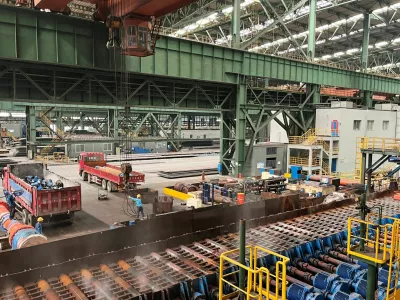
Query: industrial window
point(132, 36)
point(270, 162)
point(356, 124)
point(107, 147)
point(370, 125)
point(385, 125)
point(142, 36)
point(271, 150)
point(79, 148)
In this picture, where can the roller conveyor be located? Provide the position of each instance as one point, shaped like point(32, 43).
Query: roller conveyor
point(174, 271)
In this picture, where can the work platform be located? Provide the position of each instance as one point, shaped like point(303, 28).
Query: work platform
point(369, 146)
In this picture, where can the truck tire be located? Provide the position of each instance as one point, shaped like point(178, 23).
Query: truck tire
point(25, 216)
point(84, 176)
point(111, 187)
point(104, 184)
point(89, 178)
point(31, 220)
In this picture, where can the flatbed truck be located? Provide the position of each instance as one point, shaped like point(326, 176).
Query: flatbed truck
point(94, 168)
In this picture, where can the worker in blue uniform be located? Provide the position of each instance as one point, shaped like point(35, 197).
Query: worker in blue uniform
point(139, 204)
point(11, 203)
point(39, 225)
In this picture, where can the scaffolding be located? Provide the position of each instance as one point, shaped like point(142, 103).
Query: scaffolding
point(322, 150)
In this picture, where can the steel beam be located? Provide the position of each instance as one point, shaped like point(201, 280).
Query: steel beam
point(235, 43)
point(240, 128)
point(177, 58)
point(312, 18)
point(365, 42)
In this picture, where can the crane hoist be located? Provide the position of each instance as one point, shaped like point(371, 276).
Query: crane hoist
point(133, 25)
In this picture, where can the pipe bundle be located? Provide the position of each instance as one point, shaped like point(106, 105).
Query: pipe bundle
point(19, 235)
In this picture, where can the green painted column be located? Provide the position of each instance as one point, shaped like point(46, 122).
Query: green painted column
point(31, 130)
point(365, 42)
point(240, 129)
point(113, 123)
point(372, 281)
point(368, 99)
point(312, 19)
point(59, 121)
point(316, 97)
point(235, 31)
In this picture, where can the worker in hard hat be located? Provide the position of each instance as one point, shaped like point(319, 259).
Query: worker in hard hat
point(139, 204)
point(11, 203)
point(39, 225)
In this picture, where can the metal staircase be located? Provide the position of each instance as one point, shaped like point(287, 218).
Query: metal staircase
point(325, 168)
point(59, 134)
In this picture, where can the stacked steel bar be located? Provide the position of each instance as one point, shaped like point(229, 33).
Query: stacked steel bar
point(163, 272)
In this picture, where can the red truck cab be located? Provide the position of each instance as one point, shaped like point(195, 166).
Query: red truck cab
point(94, 168)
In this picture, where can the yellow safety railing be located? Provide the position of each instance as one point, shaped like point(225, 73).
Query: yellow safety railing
point(258, 278)
point(325, 168)
point(379, 144)
point(378, 248)
point(299, 161)
point(335, 150)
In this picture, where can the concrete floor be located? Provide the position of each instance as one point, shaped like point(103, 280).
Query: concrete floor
point(99, 215)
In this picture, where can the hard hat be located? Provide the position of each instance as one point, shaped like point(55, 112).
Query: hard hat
point(138, 196)
point(40, 219)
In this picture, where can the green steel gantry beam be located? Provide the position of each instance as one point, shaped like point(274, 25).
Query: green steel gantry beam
point(35, 36)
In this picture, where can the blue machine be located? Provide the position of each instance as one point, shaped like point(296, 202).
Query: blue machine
point(296, 172)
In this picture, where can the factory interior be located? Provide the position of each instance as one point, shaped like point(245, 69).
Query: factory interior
point(199, 150)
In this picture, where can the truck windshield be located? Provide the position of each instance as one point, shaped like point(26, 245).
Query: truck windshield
point(92, 158)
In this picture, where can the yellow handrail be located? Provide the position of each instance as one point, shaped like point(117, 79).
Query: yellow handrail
point(255, 276)
point(299, 161)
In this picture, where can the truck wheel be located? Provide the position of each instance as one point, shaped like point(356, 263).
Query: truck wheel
point(89, 178)
point(84, 176)
point(111, 187)
point(25, 216)
point(31, 220)
point(104, 184)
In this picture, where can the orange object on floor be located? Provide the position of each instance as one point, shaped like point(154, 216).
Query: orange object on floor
point(396, 196)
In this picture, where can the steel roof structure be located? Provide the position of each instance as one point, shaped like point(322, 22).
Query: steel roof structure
point(280, 27)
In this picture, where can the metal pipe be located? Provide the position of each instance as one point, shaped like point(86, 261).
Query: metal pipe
point(122, 283)
point(242, 254)
point(48, 292)
point(372, 281)
point(363, 206)
point(87, 275)
point(323, 265)
point(21, 294)
point(71, 286)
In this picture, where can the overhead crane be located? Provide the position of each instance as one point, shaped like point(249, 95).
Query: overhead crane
point(133, 25)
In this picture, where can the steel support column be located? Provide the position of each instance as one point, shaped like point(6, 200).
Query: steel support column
point(312, 19)
point(31, 130)
point(363, 167)
point(316, 97)
point(369, 174)
point(365, 42)
point(368, 99)
point(235, 43)
point(112, 123)
point(240, 127)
